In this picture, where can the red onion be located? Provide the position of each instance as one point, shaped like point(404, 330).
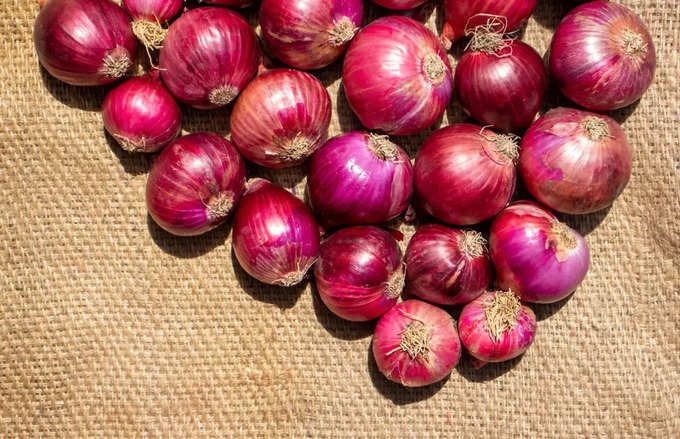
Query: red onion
point(84, 42)
point(397, 85)
point(359, 178)
point(602, 56)
point(309, 34)
point(575, 161)
point(230, 3)
point(465, 174)
point(447, 266)
point(399, 5)
point(195, 183)
point(359, 274)
point(535, 255)
point(416, 344)
point(148, 16)
point(496, 327)
point(275, 237)
point(141, 115)
point(208, 57)
point(281, 118)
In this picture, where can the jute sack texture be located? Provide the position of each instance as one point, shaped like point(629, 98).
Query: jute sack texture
point(111, 327)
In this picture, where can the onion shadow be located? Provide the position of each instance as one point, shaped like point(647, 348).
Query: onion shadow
point(347, 120)
point(187, 247)
point(214, 121)
point(584, 224)
point(546, 310)
point(287, 178)
point(488, 372)
point(548, 14)
point(80, 97)
point(336, 326)
point(132, 163)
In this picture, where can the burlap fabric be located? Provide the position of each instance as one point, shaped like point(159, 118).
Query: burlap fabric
point(111, 327)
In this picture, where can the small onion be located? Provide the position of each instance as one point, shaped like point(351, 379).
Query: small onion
point(230, 3)
point(208, 57)
point(465, 174)
point(535, 255)
point(84, 42)
point(397, 85)
point(602, 56)
point(575, 161)
point(281, 118)
point(399, 5)
point(496, 327)
point(141, 115)
point(148, 16)
point(416, 344)
point(309, 34)
point(359, 178)
point(195, 183)
point(275, 237)
point(447, 266)
point(359, 274)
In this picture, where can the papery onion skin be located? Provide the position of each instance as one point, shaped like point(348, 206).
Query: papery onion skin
point(481, 341)
point(465, 174)
point(399, 5)
point(416, 344)
point(230, 3)
point(447, 266)
point(359, 273)
point(359, 178)
point(575, 161)
point(208, 57)
point(535, 255)
point(84, 42)
point(195, 183)
point(275, 237)
point(397, 85)
point(309, 34)
point(602, 56)
point(141, 114)
point(281, 118)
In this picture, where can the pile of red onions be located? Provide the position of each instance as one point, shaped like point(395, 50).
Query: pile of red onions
point(148, 16)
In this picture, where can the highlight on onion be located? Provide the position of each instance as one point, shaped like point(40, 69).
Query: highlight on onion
point(84, 42)
point(281, 118)
point(447, 266)
point(275, 237)
point(149, 17)
point(208, 57)
point(575, 161)
point(359, 178)
point(194, 184)
point(465, 174)
point(309, 35)
point(538, 257)
point(602, 56)
point(400, 5)
point(397, 85)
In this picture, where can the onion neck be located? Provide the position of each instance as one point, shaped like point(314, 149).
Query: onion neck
point(150, 33)
point(395, 284)
point(506, 145)
point(381, 146)
point(632, 43)
point(434, 68)
point(220, 205)
point(290, 279)
point(595, 127)
point(563, 240)
point(116, 63)
point(501, 313)
point(488, 37)
point(222, 95)
point(130, 145)
point(295, 149)
point(415, 340)
point(343, 32)
point(472, 243)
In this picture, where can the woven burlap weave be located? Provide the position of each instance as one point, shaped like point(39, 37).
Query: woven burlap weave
point(111, 327)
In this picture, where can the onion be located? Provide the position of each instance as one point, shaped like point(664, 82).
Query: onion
point(397, 85)
point(275, 236)
point(359, 178)
point(416, 344)
point(602, 56)
point(208, 57)
point(141, 115)
point(230, 3)
point(281, 118)
point(447, 266)
point(465, 174)
point(535, 255)
point(194, 184)
point(575, 161)
point(148, 16)
point(359, 274)
point(84, 42)
point(309, 34)
point(399, 5)
point(496, 327)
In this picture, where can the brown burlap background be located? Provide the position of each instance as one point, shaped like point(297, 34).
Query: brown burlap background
point(111, 327)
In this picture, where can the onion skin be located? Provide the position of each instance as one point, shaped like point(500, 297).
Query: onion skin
point(359, 273)
point(281, 118)
point(359, 178)
point(462, 177)
point(230, 3)
point(570, 166)
point(208, 57)
point(153, 10)
point(397, 85)
point(84, 42)
point(309, 34)
point(447, 266)
point(275, 236)
point(535, 255)
point(399, 5)
point(194, 184)
point(602, 56)
point(428, 353)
